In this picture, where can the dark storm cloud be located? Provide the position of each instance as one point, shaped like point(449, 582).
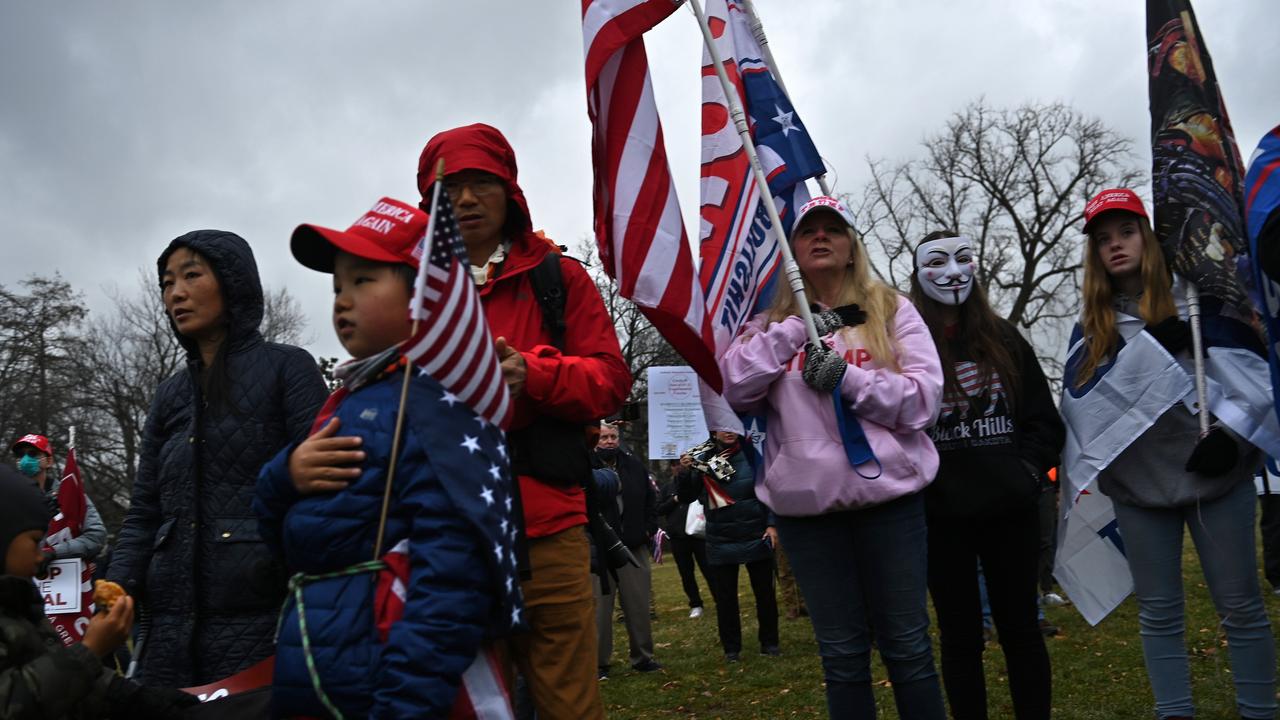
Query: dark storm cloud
point(125, 124)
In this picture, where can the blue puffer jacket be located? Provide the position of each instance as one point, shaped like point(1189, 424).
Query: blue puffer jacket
point(735, 533)
point(208, 588)
point(451, 502)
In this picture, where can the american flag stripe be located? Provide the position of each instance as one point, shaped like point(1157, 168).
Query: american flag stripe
point(639, 228)
point(453, 343)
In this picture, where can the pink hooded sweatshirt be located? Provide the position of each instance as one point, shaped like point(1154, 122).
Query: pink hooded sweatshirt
point(806, 471)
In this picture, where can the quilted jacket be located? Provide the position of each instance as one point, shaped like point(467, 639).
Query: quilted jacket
point(735, 533)
point(189, 549)
point(451, 508)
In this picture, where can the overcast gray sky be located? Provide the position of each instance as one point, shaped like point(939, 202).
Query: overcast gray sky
point(125, 124)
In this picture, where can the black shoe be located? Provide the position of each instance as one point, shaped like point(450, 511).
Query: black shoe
point(647, 666)
point(731, 657)
point(602, 672)
point(1048, 629)
point(771, 651)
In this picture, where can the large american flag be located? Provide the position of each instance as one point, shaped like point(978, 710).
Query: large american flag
point(638, 226)
point(452, 342)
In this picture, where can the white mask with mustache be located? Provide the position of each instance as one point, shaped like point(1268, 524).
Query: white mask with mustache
point(945, 269)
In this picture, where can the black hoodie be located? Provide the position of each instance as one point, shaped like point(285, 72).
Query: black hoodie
point(189, 549)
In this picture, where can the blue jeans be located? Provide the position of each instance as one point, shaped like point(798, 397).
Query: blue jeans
point(862, 569)
point(1223, 532)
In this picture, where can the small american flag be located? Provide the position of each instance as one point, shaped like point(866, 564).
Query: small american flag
point(452, 342)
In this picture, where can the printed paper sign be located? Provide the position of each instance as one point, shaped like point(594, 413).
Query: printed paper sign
point(676, 422)
point(61, 590)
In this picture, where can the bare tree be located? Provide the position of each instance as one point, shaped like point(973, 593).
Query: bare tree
point(642, 345)
point(1015, 182)
point(40, 334)
point(283, 320)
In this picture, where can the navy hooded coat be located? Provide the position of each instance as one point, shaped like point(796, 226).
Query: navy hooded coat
point(189, 550)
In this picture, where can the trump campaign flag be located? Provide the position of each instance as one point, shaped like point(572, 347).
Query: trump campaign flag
point(638, 226)
point(739, 253)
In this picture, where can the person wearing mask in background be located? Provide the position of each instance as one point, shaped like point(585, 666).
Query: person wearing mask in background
point(855, 534)
point(638, 515)
point(34, 456)
point(997, 436)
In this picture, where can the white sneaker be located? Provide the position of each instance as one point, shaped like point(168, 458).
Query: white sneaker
point(695, 613)
point(1053, 599)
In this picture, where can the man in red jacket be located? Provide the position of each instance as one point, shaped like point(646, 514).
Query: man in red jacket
point(577, 380)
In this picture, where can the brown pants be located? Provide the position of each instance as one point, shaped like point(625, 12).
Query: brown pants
point(557, 657)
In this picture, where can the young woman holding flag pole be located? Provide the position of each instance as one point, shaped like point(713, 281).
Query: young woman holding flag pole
point(1132, 346)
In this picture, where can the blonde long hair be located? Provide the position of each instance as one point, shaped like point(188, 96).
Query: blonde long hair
point(1098, 320)
point(877, 299)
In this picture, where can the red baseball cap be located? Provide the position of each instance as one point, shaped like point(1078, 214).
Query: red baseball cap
point(389, 232)
point(38, 442)
point(1113, 199)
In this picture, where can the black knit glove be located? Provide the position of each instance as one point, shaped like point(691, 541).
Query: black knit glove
point(823, 369)
point(1214, 455)
point(1172, 333)
point(829, 321)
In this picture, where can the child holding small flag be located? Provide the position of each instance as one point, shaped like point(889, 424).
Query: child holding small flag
point(402, 635)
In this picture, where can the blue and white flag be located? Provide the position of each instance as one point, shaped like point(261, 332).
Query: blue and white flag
point(1262, 202)
point(739, 253)
point(1122, 400)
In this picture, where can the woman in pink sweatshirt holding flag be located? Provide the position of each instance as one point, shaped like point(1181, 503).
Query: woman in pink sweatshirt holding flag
point(846, 456)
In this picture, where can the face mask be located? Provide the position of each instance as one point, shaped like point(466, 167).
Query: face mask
point(945, 269)
point(607, 453)
point(29, 466)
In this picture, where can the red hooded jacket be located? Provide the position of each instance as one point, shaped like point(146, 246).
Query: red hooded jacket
point(585, 382)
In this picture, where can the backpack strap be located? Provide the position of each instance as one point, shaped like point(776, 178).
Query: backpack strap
point(548, 287)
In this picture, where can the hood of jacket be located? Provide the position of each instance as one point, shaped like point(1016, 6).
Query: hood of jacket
point(237, 273)
point(477, 147)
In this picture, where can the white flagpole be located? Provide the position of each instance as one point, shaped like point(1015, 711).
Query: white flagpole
point(744, 132)
point(1197, 353)
point(757, 30)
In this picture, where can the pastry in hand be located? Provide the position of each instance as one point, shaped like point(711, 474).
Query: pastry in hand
point(105, 594)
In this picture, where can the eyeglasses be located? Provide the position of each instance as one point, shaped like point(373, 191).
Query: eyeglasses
point(480, 186)
point(29, 452)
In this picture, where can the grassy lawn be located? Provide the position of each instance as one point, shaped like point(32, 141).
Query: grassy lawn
point(1097, 672)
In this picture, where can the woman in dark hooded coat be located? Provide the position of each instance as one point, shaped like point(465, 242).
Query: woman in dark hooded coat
point(189, 550)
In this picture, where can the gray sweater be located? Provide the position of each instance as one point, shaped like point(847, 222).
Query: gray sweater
point(1150, 472)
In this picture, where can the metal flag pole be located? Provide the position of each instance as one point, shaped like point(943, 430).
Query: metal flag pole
point(757, 30)
point(416, 303)
point(1197, 354)
point(744, 132)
